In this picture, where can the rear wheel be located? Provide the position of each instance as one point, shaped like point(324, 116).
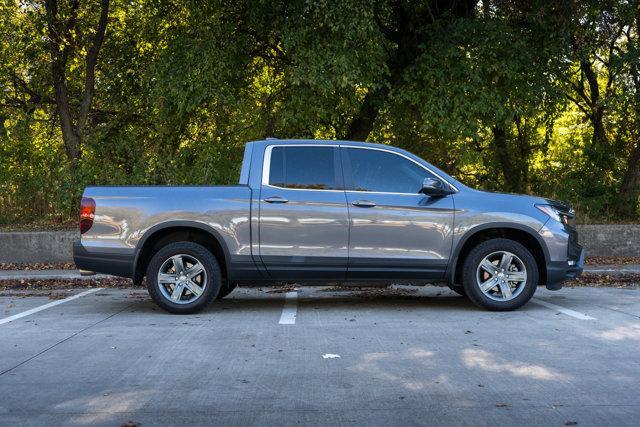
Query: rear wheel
point(183, 277)
point(500, 274)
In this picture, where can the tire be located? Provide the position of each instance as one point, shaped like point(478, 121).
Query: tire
point(226, 289)
point(176, 291)
point(458, 290)
point(514, 283)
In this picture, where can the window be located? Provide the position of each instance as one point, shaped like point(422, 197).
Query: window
point(303, 167)
point(381, 171)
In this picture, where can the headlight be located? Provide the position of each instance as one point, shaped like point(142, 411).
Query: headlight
point(567, 217)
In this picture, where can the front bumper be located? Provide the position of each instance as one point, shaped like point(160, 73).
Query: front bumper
point(560, 271)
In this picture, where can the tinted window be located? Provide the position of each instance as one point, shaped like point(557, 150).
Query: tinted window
point(276, 169)
point(303, 167)
point(374, 170)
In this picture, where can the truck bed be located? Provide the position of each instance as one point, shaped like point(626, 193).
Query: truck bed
point(123, 215)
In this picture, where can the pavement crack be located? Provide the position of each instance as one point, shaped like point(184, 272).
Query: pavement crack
point(64, 340)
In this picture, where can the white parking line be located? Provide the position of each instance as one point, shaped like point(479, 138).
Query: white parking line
point(44, 307)
point(290, 309)
point(563, 310)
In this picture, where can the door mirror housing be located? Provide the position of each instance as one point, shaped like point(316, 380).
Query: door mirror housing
point(435, 187)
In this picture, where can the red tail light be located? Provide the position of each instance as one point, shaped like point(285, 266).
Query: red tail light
point(87, 212)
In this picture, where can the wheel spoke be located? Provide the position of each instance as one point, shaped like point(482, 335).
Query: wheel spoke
point(487, 285)
point(178, 264)
point(488, 266)
point(194, 271)
point(176, 295)
point(505, 290)
point(516, 276)
point(193, 287)
point(506, 261)
point(166, 278)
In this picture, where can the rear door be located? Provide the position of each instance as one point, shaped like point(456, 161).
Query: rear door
point(304, 223)
point(395, 231)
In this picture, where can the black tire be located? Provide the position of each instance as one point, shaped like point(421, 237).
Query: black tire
point(199, 253)
point(458, 290)
point(478, 254)
point(226, 289)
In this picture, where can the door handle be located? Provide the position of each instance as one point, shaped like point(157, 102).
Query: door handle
point(364, 203)
point(276, 199)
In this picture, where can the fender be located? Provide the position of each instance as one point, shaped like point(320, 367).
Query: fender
point(449, 275)
point(174, 224)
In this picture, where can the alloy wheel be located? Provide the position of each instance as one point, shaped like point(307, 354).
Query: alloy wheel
point(182, 279)
point(501, 276)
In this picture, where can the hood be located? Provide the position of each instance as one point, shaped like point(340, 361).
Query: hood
point(520, 197)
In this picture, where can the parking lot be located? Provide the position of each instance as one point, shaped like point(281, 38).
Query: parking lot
point(400, 355)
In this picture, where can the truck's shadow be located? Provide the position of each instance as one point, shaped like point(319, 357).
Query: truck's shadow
point(261, 300)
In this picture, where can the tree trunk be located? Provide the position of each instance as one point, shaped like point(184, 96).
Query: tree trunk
point(599, 138)
point(362, 124)
point(59, 54)
point(61, 46)
point(71, 139)
point(91, 60)
point(630, 187)
point(524, 151)
point(512, 177)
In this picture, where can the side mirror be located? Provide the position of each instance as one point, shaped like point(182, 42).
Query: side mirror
point(435, 187)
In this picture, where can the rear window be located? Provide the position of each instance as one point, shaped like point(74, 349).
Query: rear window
point(312, 168)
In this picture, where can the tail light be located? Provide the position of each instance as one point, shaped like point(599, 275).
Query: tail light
point(87, 213)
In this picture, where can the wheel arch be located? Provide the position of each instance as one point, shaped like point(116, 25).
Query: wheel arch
point(524, 235)
point(174, 231)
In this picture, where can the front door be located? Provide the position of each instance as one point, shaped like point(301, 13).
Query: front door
point(396, 232)
point(304, 222)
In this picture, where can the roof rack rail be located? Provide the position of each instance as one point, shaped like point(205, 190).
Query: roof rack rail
point(269, 138)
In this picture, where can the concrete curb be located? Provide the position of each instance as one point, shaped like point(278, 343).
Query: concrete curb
point(49, 275)
point(613, 270)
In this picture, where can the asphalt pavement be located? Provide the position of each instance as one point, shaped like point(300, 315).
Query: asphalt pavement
point(403, 355)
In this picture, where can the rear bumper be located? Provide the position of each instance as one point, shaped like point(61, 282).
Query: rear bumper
point(560, 271)
point(115, 261)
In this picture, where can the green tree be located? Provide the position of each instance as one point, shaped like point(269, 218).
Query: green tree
point(519, 96)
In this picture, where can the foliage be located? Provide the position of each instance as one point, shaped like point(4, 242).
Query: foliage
point(538, 97)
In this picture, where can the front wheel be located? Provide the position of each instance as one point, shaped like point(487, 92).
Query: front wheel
point(500, 275)
point(183, 277)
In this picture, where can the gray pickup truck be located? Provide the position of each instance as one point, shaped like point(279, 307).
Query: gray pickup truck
point(330, 211)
